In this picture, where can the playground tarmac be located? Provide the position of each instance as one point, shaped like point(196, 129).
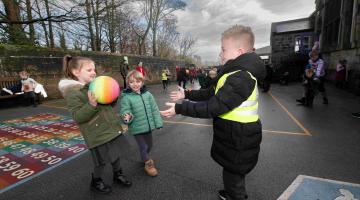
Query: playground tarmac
point(322, 142)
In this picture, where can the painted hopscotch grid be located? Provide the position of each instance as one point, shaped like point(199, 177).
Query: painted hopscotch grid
point(33, 145)
point(313, 188)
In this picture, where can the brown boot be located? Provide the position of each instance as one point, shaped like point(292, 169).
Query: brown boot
point(150, 168)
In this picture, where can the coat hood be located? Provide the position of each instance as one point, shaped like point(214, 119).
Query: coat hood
point(67, 85)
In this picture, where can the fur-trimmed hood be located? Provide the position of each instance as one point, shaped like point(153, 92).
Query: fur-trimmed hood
point(67, 85)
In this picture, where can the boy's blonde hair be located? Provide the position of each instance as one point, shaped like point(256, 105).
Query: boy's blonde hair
point(136, 75)
point(243, 34)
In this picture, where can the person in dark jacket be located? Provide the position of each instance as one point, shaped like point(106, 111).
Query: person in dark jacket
point(209, 79)
point(268, 77)
point(233, 105)
point(182, 77)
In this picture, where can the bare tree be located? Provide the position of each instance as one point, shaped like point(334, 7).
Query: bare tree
point(15, 32)
point(167, 37)
point(147, 11)
point(51, 35)
point(95, 10)
point(161, 10)
point(90, 26)
point(29, 17)
point(62, 38)
point(186, 43)
point(42, 24)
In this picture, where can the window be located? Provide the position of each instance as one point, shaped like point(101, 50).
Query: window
point(331, 24)
point(297, 44)
point(306, 42)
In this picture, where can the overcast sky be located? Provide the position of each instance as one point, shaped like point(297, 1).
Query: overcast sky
point(207, 19)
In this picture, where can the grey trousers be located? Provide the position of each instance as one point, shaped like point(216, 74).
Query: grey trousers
point(106, 153)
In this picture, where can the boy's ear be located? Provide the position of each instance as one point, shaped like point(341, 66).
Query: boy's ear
point(240, 51)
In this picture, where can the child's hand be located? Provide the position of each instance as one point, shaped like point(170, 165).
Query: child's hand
point(125, 128)
point(169, 112)
point(178, 95)
point(92, 99)
point(127, 117)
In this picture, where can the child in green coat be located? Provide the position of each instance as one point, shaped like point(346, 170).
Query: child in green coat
point(140, 111)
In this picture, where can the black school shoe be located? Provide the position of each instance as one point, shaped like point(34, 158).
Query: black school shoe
point(301, 100)
point(222, 195)
point(325, 100)
point(121, 179)
point(97, 185)
point(356, 115)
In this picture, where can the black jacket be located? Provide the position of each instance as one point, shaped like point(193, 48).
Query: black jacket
point(236, 145)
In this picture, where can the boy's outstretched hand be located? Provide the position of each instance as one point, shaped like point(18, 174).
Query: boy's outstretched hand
point(177, 95)
point(169, 112)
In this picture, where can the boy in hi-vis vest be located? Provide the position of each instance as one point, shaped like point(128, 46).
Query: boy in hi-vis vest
point(233, 105)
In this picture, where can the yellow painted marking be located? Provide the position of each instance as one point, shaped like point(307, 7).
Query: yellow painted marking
point(172, 122)
point(203, 125)
point(208, 125)
point(285, 132)
point(290, 115)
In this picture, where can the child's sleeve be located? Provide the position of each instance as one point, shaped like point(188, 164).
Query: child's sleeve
point(155, 112)
point(80, 111)
point(125, 108)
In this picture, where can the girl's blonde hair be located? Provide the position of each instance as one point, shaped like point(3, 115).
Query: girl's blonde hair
point(73, 63)
point(136, 75)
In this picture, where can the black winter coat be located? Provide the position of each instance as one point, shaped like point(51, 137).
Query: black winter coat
point(236, 145)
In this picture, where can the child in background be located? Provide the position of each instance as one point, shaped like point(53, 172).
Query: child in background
point(164, 79)
point(28, 86)
point(317, 65)
point(309, 87)
point(97, 122)
point(340, 75)
point(140, 112)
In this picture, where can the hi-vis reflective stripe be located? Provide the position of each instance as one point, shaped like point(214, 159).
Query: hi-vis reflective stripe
point(248, 110)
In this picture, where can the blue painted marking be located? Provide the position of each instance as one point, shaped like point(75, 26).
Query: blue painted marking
point(2, 152)
point(319, 189)
point(307, 187)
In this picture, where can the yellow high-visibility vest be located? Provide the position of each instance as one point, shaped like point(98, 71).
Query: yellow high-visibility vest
point(247, 112)
point(163, 76)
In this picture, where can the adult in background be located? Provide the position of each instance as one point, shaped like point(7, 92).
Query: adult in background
point(182, 77)
point(124, 68)
point(268, 78)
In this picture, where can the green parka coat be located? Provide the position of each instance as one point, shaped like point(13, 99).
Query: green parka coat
point(99, 124)
point(144, 110)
